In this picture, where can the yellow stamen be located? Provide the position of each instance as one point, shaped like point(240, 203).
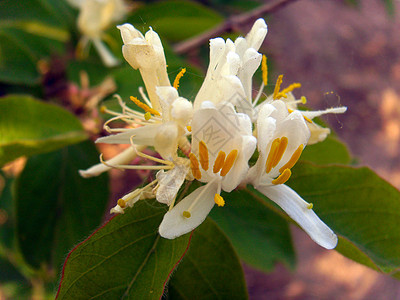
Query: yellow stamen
point(186, 214)
point(203, 154)
point(289, 89)
point(121, 203)
point(290, 110)
point(178, 77)
point(277, 87)
point(310, 206)
point(147, 116)
point(230, 159)
point(219, 200)
point(194, 165)
point(272, 153)
point(219, 162)
point(303, 99)
point(189, 128)
point(103, 109)
point(307, 119)
point(264, 68)
point(283, 177)
point(145, 107)
point(279, 153)
point(293, 160)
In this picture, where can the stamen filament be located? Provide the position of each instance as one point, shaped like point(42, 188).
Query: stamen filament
point(229, 161)
point(277, 87)
point(283, 177)
point(203, 155)
point(260, 91)
point(219, 200)
point(178, 77)
point(143, 106)
point(131, 167)
point(144, 97)
point(219, 162)
point(293, 160)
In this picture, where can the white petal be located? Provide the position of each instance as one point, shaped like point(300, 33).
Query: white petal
point(175, 224)
point(239, 170)
point(167, 95)
point(257, 34)
point(334, 110)
point(123, 158)
point(166, 140)
point(129, 33)
point(141, 136)
point(298, 210)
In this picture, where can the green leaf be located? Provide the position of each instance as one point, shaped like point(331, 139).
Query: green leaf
point(54, 206)
point(260, 236)
point(390, 7)
point(359, 206)
point(6, 214)
point(210, 269)
point(124, 258)
point(28, 126)
point(330, 151)
point(175, 20)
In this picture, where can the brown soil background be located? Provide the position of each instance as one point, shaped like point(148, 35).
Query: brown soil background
point(341, 56)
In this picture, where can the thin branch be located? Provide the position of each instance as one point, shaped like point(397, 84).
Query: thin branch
point(232, 23)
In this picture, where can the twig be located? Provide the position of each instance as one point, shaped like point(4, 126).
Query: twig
point(232, 23)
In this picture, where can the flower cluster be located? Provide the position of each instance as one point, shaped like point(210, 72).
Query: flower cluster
point(213, 139)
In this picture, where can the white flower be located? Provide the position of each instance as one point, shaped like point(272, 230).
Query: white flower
point(94, 18)
point(222, 144)
point(282, 137)
point(146, 53)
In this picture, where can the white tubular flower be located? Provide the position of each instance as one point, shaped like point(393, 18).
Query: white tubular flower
point(146, 53)
point(222, 144)
point(221, 82)
point(94, 18)
point(281, 139)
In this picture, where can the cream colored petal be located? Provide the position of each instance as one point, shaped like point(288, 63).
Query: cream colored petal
point(141, 136)
point(170, 183)
point(299, 211)
point(257, 34)
point(175, 224)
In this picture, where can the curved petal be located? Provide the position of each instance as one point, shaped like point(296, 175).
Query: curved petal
point(124, 157)
point(141, 136)
point(175, 224)
point(299, 211)
point(257, 34)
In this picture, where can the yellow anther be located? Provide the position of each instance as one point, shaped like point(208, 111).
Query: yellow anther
point(290, 110)
point(271, 155)
point(178, 77)
point(203, 155)
point(219, 200)
point(293, 160)
point(147, 116)
point(186, 214)
point(229, 161)
point(277, 87)
point(310, 206)
point(219, 162)
point(283, 177)
point(194, 166)
point(103, 109)
point(264, 68)
point(279, 153)
point(303, 99)
point(121, 203)
point(307, 119)
point(289, 89)
point(145, 107)
point(189, 128)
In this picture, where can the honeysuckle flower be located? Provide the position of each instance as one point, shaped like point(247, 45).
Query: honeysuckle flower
point(281, 137)
point(146, 53)
point(94, 18)
point(222, 144)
